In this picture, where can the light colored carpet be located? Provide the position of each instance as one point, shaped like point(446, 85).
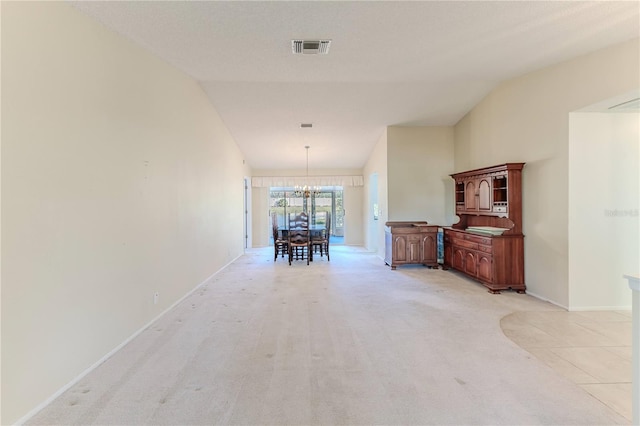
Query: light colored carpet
point(341, 342)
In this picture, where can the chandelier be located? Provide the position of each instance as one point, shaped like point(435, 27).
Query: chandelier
point(306, 190)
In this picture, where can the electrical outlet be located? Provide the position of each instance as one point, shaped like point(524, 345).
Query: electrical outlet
point(156, 295)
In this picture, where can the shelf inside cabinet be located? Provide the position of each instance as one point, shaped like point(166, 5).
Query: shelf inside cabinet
point(500, 191)
point(459, 193)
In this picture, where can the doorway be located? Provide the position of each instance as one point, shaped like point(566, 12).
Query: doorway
point(374, 213)
point(604, 223)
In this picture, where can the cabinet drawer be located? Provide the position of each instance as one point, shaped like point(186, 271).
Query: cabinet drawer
point(466, 244)
point(485, 249)
point(454, 239)
point(452, 233)
point(478, 239)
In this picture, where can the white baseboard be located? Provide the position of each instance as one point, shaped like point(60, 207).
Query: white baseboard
point(66, 387)
point(599, 308)
point(544, 299)
point(582, 308)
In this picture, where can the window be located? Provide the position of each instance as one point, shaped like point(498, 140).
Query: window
point(284, 202)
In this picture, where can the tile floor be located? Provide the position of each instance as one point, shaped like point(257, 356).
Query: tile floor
point(592, 349)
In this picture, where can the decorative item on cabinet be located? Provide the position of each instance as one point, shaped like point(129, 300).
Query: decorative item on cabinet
point(411, 243)
point(487, 243)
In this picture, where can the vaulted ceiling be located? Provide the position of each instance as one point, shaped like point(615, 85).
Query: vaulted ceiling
point(390, 62)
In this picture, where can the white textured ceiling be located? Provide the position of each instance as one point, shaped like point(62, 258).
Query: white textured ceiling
point(390, 63)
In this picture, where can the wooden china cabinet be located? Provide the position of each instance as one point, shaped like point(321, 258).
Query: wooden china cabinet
point(487, 243)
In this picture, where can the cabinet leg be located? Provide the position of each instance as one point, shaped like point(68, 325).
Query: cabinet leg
point(494, 291)
point(521, 291)
point(393, 268)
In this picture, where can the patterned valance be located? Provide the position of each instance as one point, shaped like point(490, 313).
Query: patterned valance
point(291, 181)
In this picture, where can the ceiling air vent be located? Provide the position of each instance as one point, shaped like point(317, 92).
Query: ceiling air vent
point(310, 47)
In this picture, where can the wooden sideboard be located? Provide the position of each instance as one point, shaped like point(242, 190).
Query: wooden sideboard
point(496, 261)
point(410, 243)
point(487, 243)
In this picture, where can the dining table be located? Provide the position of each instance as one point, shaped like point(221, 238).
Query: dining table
point(314, 231)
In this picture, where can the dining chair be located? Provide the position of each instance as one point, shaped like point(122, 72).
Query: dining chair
point(280, 243)
point(321, 240)
point(299, 237)
point(280, 240)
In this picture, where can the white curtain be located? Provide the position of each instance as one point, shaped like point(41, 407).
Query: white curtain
point(291, 181)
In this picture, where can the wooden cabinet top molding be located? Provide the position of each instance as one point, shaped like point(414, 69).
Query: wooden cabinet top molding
point(407, 223)
point(489, 170)
point(410, 227)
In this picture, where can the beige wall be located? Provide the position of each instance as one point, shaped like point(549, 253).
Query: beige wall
point(374, 229)
point(353, 225)
point(119, 180)
point(604, 198)
point(260, 220)
point(527, 120)
point(419, 162)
